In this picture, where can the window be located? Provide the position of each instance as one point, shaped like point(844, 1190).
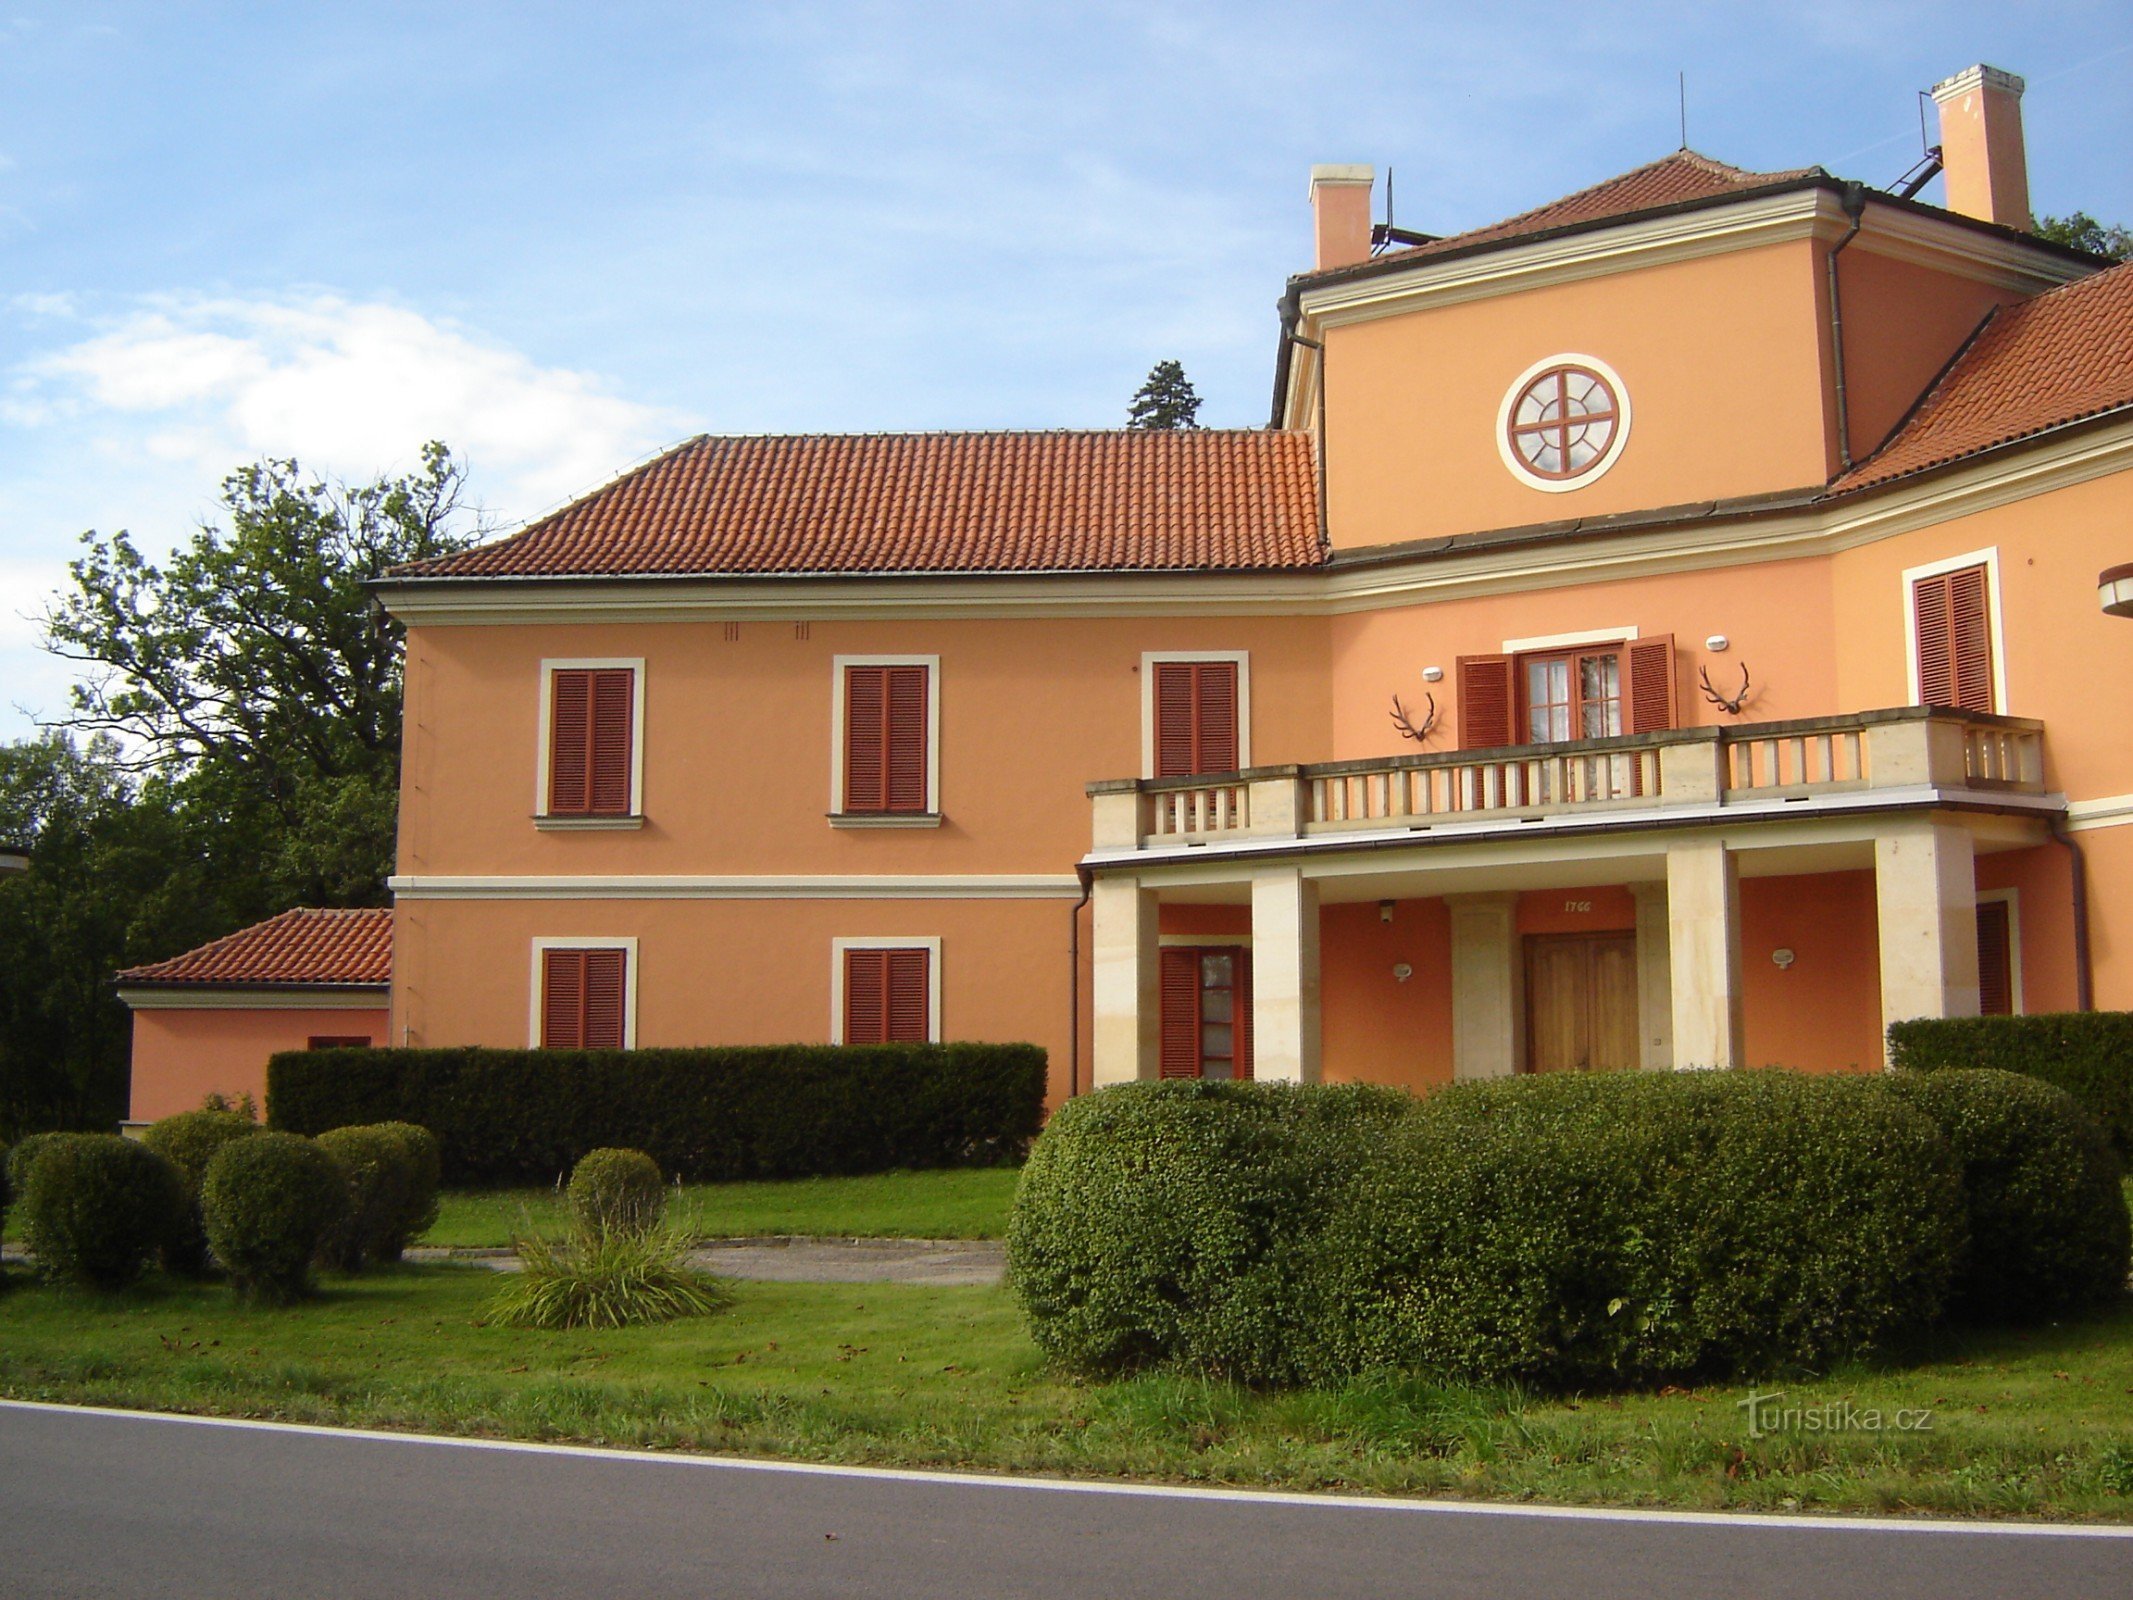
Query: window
point(1206, 1012)
point(1195, 713)
point(1553, 695)
point(885, 759)
point(584, 994)
point(591, 763)
point(1563, 422)
point(1999, 965)
point(1952, 636)
point(338, 1041)
point(887, 991)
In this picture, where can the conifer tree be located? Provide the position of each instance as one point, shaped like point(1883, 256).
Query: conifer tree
point(1166, 400)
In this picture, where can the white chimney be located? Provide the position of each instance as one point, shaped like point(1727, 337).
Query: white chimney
point(1981, 146)
point(1340, 214)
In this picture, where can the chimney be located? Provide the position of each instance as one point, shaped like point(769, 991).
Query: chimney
point(1340, 215)
point(1981, 146)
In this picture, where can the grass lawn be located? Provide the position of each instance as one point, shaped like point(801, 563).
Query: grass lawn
point(961, 1203)
point(2037, 1424)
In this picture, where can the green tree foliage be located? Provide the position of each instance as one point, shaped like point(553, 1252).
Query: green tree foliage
point(1167, 400)
point(2084, 232)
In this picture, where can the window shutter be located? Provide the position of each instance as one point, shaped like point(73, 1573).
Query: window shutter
point(1995, 959)
point(886, 753)
point(613, 710)
point(1196, 718)
point(1651, 684)
point(1241, 1011)
point(569, 747)
point(606, 975)
point(1180, 1053)
point(562, 999)
point(865, 761)
point(1173, 719)
point(905, 739)
point(865, 995)
point(1484, 701)
point(1970, 639)
point(1936, 661)
point(909, 996)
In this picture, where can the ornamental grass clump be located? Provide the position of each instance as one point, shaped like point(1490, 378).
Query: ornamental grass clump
point(97, 1209)
point(188, 1141)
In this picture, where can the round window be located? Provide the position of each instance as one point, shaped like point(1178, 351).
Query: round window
point(1563, 422)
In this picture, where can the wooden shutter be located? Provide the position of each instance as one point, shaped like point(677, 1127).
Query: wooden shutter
point(606, 981)
point(866, 984)
point(1173, 719)
point(1952, 611)
point(1196, 718)
point(1241, 1011)
point(569, 750)
point(562, 999)
point(584, 999)
point(1484, 701)
point(613, 706)
point(1995, 959)
point(590, 741)
point(1650, 671)
point(1180, 1053)
point(909, 997)
point(885, 739)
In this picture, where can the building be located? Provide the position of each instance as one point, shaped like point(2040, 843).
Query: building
point(13, 859)
point(1659, 629)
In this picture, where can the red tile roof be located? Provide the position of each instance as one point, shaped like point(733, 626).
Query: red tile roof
point(1121, 501)
point(1672, 180)
point(302, 947)
point(2064, 356)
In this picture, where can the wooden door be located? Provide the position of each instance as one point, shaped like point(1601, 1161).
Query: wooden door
point(1581, 1002)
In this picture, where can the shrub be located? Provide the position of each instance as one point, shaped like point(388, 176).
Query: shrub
point(425, 1175)
point(269, 1203)
point(21, 1155)
point(1180, 1220)
point(96, 1208)
point(617, 1192)
point(2047, 1222)
point(2088, 1054)
point(526, 1116)
point(380, 1168)
point(605, 1280)
point(188, 1141)
point(1612, 1229)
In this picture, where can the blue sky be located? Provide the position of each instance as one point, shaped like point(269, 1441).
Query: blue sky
point(561, 236)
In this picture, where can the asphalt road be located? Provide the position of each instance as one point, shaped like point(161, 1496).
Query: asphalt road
point(115, 1503)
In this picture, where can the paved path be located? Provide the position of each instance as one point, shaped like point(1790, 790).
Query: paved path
point(114, 1503)
point(792, 1258)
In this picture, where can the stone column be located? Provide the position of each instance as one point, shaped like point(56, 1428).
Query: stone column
point(1128, 1016)
point(1488, 986)
point(1703, 952)
point(1925, 892)
point(1285, 987)
point(1655, 978)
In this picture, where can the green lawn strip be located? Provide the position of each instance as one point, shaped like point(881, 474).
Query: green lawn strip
point(2026, 1425)
point(959, 1203)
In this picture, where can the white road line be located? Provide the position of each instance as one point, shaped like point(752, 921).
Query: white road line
point(975, 1480)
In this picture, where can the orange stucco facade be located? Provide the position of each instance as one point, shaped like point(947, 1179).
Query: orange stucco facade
point(182, 1055)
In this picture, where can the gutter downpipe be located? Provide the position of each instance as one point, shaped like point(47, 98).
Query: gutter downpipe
point(1291, 314)
point(2078, 866)
point(1855, 208)
point(1088, 887)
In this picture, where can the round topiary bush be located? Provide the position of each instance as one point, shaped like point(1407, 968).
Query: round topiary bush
point(379, 1176)
point(1602, 1230)
point(269, 1202)
point(1180, 1221)
point(188, 1141)
point(418, 1212)
point(21, 1155)
point(96, 1208)
point(617, 1192)
point(2048, 1224)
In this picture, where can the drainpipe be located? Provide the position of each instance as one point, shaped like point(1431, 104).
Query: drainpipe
point(1855, 208)
point(2078, 865)
point(1088, 887)
point(1291, 314)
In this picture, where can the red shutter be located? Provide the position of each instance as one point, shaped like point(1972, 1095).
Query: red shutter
point(1173, 719)
point(1936, 657)
point(1215, 716)
point(1970, 641)
point(606, 981)
point(562, 999)
point(905, 739)
point(1180, 1054)
point(1995, 959)
point(1241, 1011)
point(909, 996)
point(866, 693)
point(1651, 684)
point(866, 983)
point(614, 694)
point(1484, 701)
point(570, 743)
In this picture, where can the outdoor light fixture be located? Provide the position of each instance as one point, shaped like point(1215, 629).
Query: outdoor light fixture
point(1782, 959)
point(1401, 972)
point(1432, 674)
point(1384, 911)
point(1718, 644)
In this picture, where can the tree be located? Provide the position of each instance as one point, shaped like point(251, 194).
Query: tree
point(2084, 232)
point(1166, 400)
point(255, 673)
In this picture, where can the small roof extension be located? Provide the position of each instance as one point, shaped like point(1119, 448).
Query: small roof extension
point(301, 949)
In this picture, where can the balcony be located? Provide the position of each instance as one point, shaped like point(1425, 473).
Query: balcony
point(1909, 754)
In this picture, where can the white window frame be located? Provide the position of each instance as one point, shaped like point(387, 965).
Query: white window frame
point(546, 943)
point(931, 816)
point(931, 945)
point(1607, 458)
point(1989, 559)
point(1569, 641)
point(2012, 898)
point(1150, 659)
point(550, 666)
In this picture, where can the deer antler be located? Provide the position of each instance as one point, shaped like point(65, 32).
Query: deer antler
point(1730, 705)
point(1406, 726)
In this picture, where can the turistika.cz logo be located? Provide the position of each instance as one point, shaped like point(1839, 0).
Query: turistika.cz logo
point(1768, 1414)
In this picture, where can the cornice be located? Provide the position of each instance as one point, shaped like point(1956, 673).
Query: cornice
point(665, 886)
point(255, 997)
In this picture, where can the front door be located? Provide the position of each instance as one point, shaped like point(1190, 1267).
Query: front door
point(1581, 1002)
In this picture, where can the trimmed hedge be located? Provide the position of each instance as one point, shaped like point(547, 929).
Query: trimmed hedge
point(2048, 1225)
point(1181, 1220)
point(188, 1141)
point(2088, 1054)
point(392, 1173)
point(97, 1209)
point(774, 1111)
point(617, 1193)
point(270, 1203)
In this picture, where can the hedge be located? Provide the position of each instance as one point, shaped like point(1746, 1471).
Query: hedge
point(2088, 1054)
point(773, 1111)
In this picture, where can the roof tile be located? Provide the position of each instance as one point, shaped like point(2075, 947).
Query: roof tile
point(297, 947)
